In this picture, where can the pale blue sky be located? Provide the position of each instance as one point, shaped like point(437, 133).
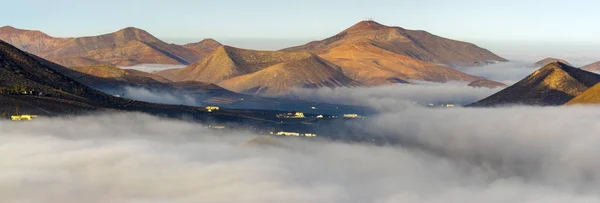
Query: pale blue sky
point(297, 21)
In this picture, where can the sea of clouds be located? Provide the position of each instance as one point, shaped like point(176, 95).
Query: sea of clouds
point(518, 154)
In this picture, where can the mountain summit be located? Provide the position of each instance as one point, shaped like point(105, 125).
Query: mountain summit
point(554, 84)
point(417, 44)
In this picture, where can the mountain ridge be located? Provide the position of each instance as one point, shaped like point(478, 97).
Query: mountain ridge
point(417, 44)
point(126, 47)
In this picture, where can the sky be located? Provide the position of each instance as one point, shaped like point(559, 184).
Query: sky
point(542, 27)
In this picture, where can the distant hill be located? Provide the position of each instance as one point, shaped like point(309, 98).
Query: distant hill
point(554, 84)
point(126, 47)
point(549, 60)
point(595, 67)
point(486, 83)
point(417, 44)
point(204, 47)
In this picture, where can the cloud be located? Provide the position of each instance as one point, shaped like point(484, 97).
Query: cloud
point(392, 96)
point(158, 96)
point(519, 154)
point(151, 68)
point(507, 73)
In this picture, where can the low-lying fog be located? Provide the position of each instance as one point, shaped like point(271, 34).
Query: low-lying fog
point(518, 154)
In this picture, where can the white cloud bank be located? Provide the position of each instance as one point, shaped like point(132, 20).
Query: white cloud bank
point(393, 96)
point(520, 154)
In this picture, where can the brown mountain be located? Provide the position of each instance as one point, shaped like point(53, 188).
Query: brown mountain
point(554, 84)
point(261, 72)
point(549, 60)
point(417, 44)
point(595, 67)
point(126, 47)
point(309, 72)
point(204, 47)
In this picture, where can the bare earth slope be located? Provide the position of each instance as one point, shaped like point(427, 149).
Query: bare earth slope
point(554, 84)
point(417, 44)
point(374, 66)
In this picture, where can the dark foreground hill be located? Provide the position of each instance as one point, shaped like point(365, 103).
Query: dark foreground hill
point(554, 84)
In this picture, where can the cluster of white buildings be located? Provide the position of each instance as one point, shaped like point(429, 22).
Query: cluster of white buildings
point(291, 115)
point(294, 134)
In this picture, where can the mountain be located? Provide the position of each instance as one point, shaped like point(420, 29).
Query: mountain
point(595, 67)
point(554, 84)
point(549, 60)
point(126, 47)
point(309, 72)
point(486, 83)
point(204, 47)
point(262, 72)
point(374, 66)
point(417, 44)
